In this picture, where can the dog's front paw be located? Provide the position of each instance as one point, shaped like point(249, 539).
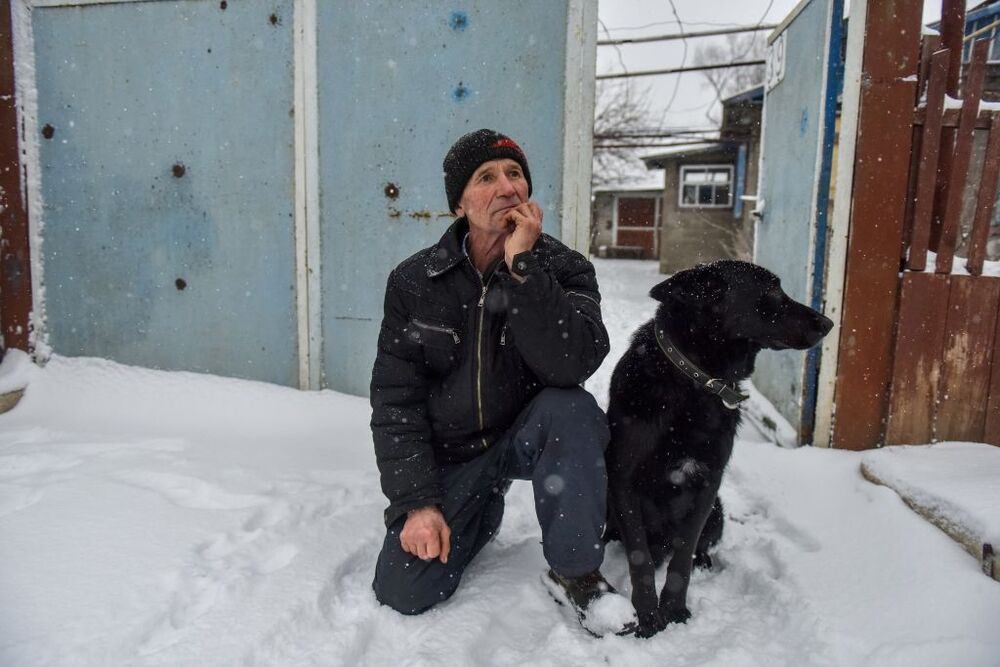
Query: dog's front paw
point(649, 623)
point(679, 615)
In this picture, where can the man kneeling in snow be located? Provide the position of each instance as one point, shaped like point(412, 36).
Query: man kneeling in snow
point(485, 340)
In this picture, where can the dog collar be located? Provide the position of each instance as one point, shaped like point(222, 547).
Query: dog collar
point(730, 397)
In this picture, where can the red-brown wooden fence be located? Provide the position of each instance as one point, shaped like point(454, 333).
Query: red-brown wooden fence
point(945, 380)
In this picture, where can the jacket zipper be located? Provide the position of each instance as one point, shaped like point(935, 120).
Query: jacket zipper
point(479, 357)
point(585, 296)
point(433, 327)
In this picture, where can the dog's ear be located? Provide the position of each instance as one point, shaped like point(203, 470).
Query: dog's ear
point(699, 285)
point(663, 292)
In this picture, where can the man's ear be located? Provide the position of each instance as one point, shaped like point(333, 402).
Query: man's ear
point(459, 211)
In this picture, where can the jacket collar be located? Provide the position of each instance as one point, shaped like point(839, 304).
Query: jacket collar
point(448, 253)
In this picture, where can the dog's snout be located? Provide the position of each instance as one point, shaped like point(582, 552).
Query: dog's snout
point(825, 324)
point(821, 325)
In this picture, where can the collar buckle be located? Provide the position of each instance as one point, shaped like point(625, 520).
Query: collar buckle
point(731, 398)
point(721, 389)
point(715, 385)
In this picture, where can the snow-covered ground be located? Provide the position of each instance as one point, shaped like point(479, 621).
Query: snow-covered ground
point(172, 518)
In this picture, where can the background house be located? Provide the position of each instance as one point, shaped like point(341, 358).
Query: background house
point(703, 211)
point(625, 222)
point(981, 24)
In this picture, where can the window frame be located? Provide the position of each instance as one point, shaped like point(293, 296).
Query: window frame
point(993, 36)
point(685, 168)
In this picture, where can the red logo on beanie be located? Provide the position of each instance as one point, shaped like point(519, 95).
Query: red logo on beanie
point(508, 143)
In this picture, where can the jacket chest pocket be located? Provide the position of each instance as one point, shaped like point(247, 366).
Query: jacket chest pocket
point(441, 342)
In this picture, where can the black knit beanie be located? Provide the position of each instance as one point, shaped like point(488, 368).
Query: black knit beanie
point(471, 151)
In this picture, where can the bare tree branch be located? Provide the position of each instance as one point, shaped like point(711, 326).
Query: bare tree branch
point(726, 82)
point(620, 109)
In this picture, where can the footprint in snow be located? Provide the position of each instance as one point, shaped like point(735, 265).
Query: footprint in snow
point(16, 497)
point(277, 559)
point(268, 516)
point(215, 581)
point(23, 478)
point(17, 466)
point(191, 492)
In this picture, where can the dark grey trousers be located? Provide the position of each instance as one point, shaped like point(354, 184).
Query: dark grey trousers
point(558, 443)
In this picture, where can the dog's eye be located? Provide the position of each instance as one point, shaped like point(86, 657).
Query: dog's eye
point(770, 303)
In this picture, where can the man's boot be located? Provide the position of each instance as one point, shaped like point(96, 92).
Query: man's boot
point(598, 606)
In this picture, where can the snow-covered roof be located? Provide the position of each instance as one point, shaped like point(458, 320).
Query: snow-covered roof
point(632, 188)
point(628, 175)
point(655, 160)
point(651, 180)
point(753, 93)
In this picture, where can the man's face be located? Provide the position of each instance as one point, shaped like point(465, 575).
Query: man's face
point(495, 187)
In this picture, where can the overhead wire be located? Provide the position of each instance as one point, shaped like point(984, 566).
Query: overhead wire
point(760, 22)
point(700, 33)
point(690, 23)
point(683, 37)
point(677, 82)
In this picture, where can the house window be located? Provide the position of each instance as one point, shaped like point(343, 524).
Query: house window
point(991, 33)
point(706, 186)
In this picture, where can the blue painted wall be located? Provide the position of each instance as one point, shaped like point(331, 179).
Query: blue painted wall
point(790, 237)
point(169, 177)
point(170, 164)
point(398, 84)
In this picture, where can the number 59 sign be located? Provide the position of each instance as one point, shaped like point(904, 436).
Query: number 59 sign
point(775, 62)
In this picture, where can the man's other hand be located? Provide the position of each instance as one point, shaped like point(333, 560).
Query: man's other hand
point(526, 221)
point(426, 535)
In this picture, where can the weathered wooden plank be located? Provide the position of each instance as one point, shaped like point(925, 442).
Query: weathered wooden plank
point(952, 30)
point(917, 363)
point(991, 432)
point(963, 153)
point(9, 400)
point(928, 167)
point(984, 204)
point(965, 368)
point(916, 154)
point(951, 117)
point(929, 45)
point(15, 253)
point(878, 204)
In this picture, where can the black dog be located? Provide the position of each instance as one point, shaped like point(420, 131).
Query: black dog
point(674, 409)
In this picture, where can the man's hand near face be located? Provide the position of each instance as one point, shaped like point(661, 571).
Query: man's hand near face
point(526, 222)
point(426, 534)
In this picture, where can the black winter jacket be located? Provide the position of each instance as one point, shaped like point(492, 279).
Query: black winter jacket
point(459, 356)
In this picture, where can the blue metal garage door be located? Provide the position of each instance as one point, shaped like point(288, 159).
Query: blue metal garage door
point(398, 83)
point(167, 166)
